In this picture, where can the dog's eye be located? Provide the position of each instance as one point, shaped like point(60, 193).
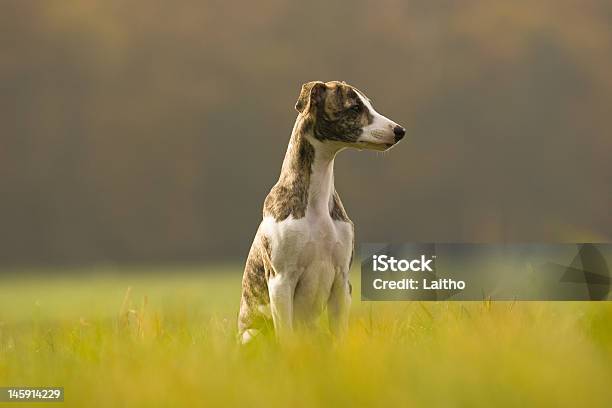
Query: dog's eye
point(356, 108)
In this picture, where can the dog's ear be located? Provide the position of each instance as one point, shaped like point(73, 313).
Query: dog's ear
point(312, 94)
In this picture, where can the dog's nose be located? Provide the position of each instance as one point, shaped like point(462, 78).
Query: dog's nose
point(399, 132)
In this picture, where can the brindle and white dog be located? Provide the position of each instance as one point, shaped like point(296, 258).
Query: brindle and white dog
point(299, 261)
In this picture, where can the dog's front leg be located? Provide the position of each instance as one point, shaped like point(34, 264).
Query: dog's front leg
point(339, 305)
point(280, 288)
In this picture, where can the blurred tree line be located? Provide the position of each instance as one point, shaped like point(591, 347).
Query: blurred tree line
point(149, 131)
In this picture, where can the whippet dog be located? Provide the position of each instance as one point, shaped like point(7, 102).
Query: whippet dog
point(300, 258)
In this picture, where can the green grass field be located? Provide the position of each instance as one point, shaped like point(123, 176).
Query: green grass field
point(169, 340)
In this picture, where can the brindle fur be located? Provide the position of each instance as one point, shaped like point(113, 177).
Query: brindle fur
point(343, 115)
point(337, 211)
point(289, 196)
point(255, 295)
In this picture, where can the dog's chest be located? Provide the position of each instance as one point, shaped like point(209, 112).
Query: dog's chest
point(314, 243)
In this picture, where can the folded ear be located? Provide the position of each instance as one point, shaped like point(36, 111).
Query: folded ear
point(312, 94)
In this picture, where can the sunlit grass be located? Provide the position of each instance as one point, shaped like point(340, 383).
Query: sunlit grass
point(170, 340)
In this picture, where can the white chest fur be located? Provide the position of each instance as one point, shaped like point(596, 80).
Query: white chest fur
point(309, 254)
point(296, 244)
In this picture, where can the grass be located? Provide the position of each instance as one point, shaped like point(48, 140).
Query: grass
point(169, 341)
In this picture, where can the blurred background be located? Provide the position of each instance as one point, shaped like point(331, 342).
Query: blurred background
point(150, 132)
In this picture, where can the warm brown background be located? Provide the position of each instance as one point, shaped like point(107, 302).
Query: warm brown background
point(143, 131)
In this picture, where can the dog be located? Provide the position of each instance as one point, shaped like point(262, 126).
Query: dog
point(300, 258)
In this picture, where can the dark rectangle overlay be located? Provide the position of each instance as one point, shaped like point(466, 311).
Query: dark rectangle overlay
point(486, 271)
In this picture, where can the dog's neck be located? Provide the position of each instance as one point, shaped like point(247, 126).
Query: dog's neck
point(306, 182)
point(321, 188)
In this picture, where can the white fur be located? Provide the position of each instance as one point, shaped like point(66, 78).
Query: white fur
point(380, 131)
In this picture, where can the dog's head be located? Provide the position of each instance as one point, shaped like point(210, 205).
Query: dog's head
point(342, 114)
